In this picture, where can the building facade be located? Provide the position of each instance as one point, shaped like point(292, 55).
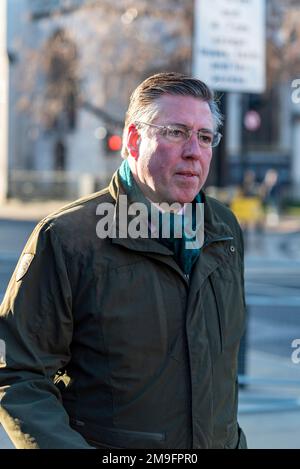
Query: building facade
point(59, 154)
point(56, 140)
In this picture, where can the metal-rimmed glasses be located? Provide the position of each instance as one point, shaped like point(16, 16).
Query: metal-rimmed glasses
point(180, 133)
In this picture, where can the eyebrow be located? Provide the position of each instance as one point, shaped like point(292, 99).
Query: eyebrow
point(203, 129)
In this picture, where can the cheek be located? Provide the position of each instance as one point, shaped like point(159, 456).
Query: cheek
point(148, 147)
point(146, 155)
point(161, 162)
point(156, 168)
point(206, 162)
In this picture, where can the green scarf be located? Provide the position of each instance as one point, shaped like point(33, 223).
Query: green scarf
point(184, 257)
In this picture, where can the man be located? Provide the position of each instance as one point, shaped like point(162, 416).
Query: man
point(120, 340)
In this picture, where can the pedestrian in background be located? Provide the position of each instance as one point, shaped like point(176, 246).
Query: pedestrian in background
point(125, 341)
point(270, 196)
point(249, 188)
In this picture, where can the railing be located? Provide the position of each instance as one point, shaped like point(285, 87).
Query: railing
point(45, 185)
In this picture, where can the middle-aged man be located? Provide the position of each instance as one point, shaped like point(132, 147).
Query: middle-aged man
point(117, 336)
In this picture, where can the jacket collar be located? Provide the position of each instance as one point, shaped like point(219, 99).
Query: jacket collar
point(147, 245)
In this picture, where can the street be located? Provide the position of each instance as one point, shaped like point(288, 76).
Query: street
point(272, 278)
point(273, 298)
point(272, 281)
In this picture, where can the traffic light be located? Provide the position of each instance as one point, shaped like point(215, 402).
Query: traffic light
point(113, 143)
point(111, 140)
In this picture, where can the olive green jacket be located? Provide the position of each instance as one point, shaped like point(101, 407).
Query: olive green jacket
point(108, 344)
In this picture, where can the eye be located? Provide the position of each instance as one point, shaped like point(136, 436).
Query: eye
point(207, 139)
point(176, 133)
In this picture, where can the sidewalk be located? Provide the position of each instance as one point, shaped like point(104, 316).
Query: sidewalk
point(269, 407)
point(17, 210)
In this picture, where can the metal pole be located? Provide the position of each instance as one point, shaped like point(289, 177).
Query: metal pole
point(221, 156)
point(4, 74)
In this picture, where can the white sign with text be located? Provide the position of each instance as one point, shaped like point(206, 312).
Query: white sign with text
point(229, 44)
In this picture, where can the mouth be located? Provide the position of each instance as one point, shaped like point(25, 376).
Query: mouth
point(188, 174)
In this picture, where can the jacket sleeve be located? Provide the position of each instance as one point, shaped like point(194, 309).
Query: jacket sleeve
point(36, 326)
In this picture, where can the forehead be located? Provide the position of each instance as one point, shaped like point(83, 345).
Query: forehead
point(187, 110)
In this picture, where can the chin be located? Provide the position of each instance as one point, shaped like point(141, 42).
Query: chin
point(182, 196)
point(185, 199)
point(189, 196)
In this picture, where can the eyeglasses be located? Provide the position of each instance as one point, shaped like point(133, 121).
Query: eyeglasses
point(179, 133)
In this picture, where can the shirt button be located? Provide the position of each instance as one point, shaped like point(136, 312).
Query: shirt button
point(232, 248)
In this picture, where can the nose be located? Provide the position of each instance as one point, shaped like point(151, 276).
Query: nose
point(192, 148)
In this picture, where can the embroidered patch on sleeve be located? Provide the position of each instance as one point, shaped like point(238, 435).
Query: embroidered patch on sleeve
point(24, 266)
point(2, 354)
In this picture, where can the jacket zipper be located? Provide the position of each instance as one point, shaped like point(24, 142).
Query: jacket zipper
point(186, 276)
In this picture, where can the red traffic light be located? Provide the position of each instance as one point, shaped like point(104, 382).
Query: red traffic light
point(114, 142)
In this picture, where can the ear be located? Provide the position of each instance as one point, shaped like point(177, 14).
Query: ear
point(133, 139)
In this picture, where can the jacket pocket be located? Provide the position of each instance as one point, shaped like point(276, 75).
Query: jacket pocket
point(230, 308)
point(116, 438)
point(220, 323)
point(99, 445)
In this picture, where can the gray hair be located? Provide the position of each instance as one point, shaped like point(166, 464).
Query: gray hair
point(143, 104)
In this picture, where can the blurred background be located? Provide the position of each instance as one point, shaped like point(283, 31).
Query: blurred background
point(67, 69)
